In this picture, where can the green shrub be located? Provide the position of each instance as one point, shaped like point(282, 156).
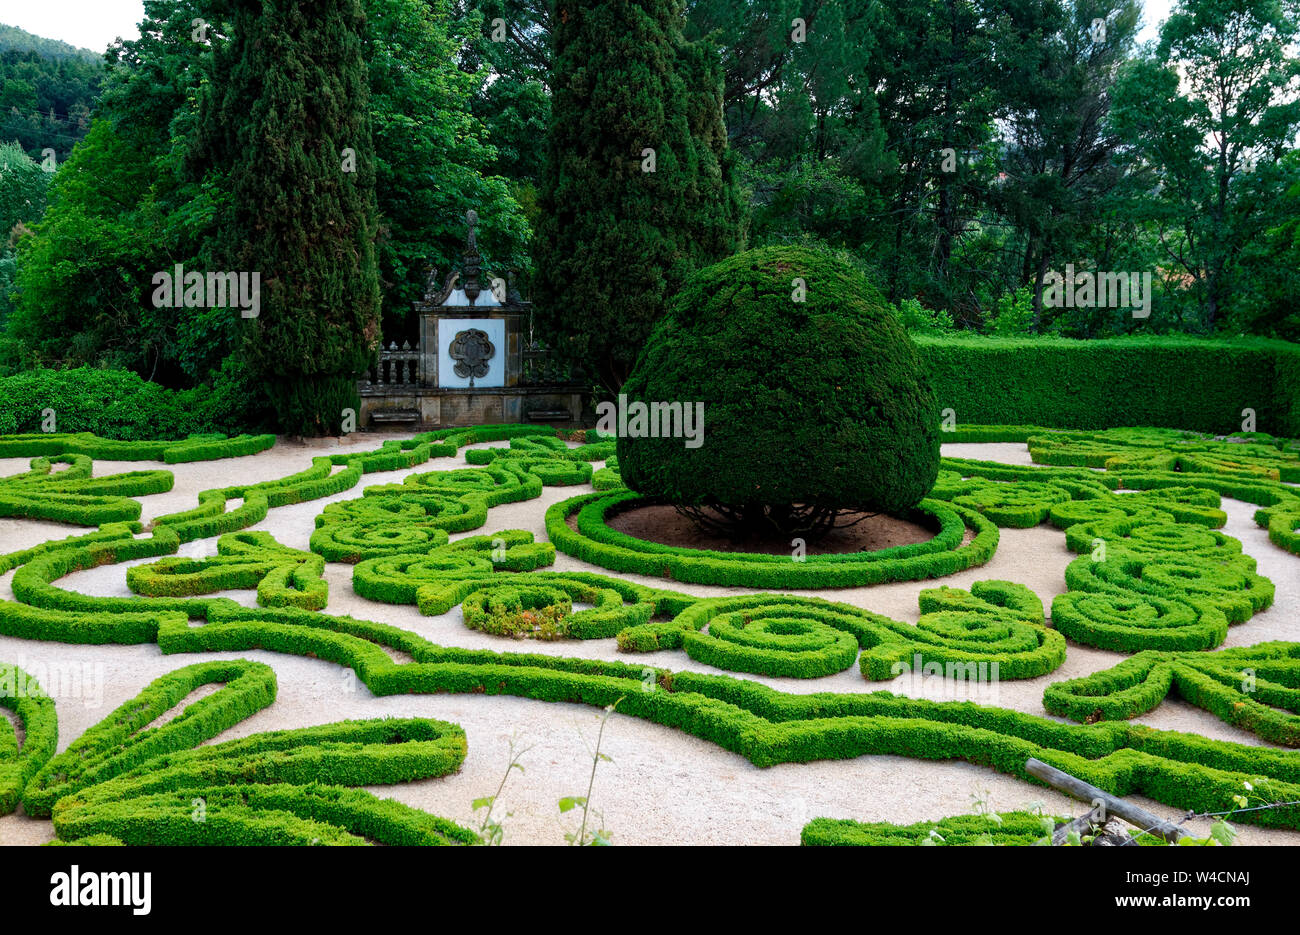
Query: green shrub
point(117, 404)
point(819, 404)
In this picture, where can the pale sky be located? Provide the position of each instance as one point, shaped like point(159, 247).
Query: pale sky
point(93, 24)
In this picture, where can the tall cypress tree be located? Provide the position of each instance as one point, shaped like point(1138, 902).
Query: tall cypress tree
point(288, 100)
point(621, 227)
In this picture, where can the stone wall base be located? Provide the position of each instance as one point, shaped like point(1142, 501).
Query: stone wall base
point(442, 408)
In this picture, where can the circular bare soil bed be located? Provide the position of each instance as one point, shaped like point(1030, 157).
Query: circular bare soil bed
point(868, 533)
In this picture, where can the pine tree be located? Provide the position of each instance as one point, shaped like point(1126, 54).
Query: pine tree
point(638, 189)
point(289, 99)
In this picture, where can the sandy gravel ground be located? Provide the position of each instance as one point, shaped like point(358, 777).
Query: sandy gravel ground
point(662, 786)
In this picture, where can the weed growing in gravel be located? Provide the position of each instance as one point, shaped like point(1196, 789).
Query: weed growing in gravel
point(599, 836)
point(492, 832)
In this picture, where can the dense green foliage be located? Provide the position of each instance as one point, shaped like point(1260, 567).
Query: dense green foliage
point(637, 190)
point(1210, 115)
point(813, 395)
point(23, 185)
point(1171, 381)
point(116, 404)
point(22, 190)
point(434, 159)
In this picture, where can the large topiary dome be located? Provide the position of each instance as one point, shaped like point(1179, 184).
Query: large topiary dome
point(810, 407)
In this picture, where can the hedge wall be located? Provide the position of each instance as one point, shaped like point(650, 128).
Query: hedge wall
point(1174, 382)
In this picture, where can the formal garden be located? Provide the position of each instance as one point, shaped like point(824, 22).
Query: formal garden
point(688, 510)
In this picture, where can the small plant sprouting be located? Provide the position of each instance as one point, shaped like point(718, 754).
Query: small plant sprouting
point(492, 832)
point(599, 836)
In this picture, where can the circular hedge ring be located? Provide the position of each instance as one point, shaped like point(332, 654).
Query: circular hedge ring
point(596, 542)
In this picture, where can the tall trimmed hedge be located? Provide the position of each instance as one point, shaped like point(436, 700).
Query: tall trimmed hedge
point(1175, 382)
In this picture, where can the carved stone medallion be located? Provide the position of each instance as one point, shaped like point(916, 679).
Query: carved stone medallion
point(471, 350)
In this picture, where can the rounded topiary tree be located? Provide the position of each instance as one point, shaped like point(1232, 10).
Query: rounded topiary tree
point(815, 402)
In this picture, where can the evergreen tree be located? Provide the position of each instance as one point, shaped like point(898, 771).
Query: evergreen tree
point(638, 189)
point(288, 113)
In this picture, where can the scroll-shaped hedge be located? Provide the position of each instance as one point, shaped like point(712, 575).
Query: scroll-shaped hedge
point(283, 577)
point(124, 781)
point(125, 739)
point(72, 495)
point(1256, 688)
point(23, 695)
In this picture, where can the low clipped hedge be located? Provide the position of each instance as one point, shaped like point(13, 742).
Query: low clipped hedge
point(125, 783)
point(1005, 829)
point(1254, 688)
point(23, 695)
point(283, 577)
point(120, 741)
point(195, 448)
point(1177, 382)
point(594, 541)
point(72, 495)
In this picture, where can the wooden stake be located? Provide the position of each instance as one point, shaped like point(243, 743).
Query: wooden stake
point(1133, 814)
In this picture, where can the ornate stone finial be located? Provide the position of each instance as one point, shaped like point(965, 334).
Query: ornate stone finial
point(473, 262)
point(431, 289)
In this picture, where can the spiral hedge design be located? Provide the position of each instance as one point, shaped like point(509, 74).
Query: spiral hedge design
point(993, 631)
point(1155, 578)
point(765, 725)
